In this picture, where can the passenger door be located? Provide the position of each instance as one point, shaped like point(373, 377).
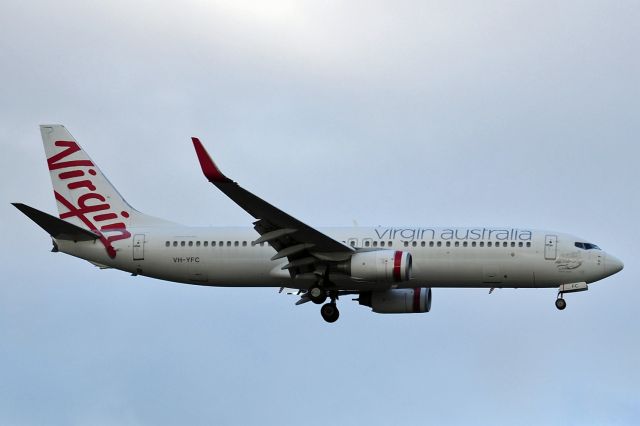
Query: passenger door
point(550, 247)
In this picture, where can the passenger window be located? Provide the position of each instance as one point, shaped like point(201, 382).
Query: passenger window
point(244, 244)
point(206, 243)
point(520, 244)
point(406, 243)
point(481, 243)
point(375, 244)
point(381, 243)
point(221, 243)
point(473, 244)
point(236, 244)
point(175, 244)
point(489, 244)
point(457, 244)
point(390, 244)
point(366, 243)
point(414, 243)
point(182, 243)
point(448, 243)
point(464, 244)
point(167, 244)
point(439, 243)
point(190, 243)
point(505, 244)
point(352, 243)
point(423, 244)
point(228, 243)
point(213, 243)
point(430, 243)
point(528, 244)
point(513, 244)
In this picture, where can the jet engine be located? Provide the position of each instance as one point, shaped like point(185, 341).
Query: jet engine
point(398, 301)
point(380, 266)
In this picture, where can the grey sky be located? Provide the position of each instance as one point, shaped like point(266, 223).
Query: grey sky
point(430, 113)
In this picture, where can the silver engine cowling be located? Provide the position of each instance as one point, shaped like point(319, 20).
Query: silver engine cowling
point(398, 301)
point(380, 266)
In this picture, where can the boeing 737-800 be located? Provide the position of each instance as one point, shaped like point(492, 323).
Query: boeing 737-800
point(391, 269)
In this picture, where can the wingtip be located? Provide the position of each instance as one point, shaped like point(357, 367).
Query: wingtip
point(209, 168)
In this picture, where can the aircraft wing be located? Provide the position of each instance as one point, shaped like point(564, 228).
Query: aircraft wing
point(305, 247)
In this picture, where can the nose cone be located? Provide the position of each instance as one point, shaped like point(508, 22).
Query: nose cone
point(612, 265)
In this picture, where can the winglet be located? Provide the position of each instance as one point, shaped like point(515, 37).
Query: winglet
point(209, 168)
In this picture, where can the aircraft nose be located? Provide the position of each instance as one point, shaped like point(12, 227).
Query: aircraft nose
point(612, 265)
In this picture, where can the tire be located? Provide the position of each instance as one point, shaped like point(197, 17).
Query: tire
point(317, 295)
point(561, 304)
point(329, 312)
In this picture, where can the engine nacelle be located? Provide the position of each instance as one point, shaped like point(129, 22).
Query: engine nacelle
point(398, 301)
point(380, 266)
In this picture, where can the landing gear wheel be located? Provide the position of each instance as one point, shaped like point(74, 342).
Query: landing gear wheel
point(561, 304)
point(329, 312)
point(317, 295)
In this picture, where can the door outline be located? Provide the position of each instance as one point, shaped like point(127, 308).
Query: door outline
point(550, 247)
point(138, 246)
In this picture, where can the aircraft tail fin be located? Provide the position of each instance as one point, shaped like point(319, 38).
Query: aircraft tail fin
point(84, 195)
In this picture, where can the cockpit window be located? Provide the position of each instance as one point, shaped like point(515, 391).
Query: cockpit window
point(587, 246)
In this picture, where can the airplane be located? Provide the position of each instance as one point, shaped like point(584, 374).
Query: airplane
point(390, 269)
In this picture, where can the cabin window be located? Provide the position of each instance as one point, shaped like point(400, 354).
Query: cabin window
point(375, 244)
point(406, 243)
point(422, 244)
point(213, 243)
point(367, 243)
point(505, 244)
point(381, 243)
point(182, 243)
point(457, 244)
point(167, 244)
point(489, 244)
point(228, 243)
point(520, 244)
point(197, 243)
point(236, 244)
point(439, 243)
point(448, 243)
point(190, 243)
point(464, 244)
point(206, 243)
point(513, 244)
point(414, 244)
point(175, 244)
point(473, 244)
point(244, 244)
point(528, 244)
point(352, 243)
point(430, 243)
point(221, 243)
point(481, 243)
point(390, 243)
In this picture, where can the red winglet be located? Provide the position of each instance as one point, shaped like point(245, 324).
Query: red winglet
point(209, 168)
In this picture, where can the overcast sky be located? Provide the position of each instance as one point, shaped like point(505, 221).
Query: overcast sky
point(394, 113)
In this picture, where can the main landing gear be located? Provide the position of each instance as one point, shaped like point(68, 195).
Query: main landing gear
point(318, 294)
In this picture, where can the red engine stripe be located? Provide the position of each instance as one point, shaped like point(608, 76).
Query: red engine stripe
point(416, 299)
point(397, 263)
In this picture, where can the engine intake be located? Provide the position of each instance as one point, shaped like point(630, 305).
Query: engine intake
point(398, 301)
point(379, 266)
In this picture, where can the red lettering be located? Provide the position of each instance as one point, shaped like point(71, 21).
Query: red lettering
point(71, 147)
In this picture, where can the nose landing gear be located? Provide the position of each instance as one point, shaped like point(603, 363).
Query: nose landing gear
point(560, 302)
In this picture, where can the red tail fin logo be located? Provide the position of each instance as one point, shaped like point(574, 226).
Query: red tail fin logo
point(92, 207)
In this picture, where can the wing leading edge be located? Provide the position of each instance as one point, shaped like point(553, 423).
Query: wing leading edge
point(305, 247)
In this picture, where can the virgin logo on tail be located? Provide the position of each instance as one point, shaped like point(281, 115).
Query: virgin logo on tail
point(92, 209)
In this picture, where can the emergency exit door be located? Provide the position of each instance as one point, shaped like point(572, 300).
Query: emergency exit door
point(138, 247)
point(551, 247)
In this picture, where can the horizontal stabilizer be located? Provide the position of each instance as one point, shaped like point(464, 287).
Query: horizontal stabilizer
point(57, 228)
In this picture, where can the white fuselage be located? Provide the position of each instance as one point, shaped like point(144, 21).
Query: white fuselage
point(442, 257)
